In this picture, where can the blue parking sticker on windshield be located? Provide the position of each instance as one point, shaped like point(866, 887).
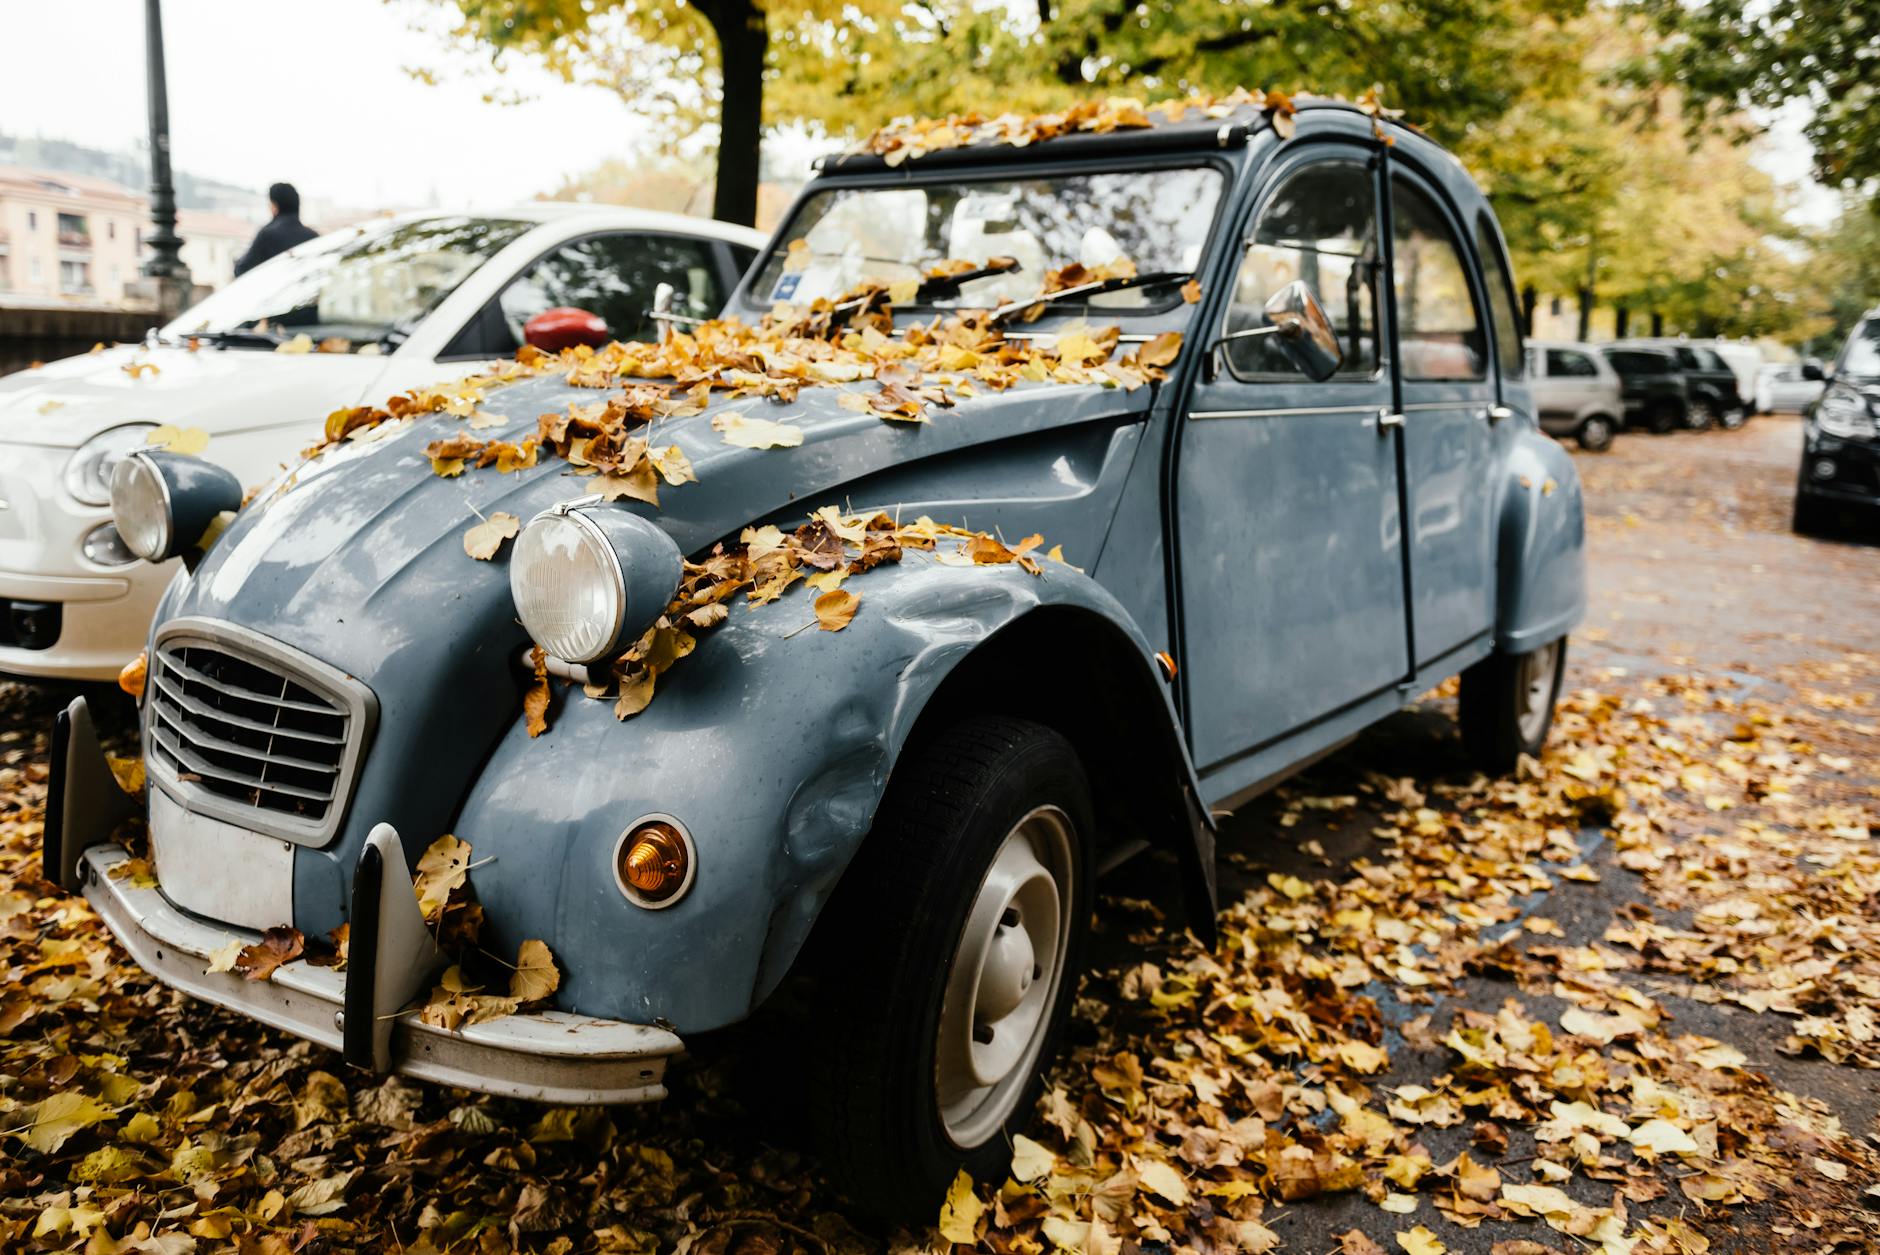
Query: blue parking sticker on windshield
point(786, 285)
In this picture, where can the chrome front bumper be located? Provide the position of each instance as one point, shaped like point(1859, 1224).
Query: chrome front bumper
point(549, 1056)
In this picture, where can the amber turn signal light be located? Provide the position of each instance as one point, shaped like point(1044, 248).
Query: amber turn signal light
point(654, 863)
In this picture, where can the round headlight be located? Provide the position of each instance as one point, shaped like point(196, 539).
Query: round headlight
point(568, 587)
point(88, 471)
point(104, 546)
point(140, 504)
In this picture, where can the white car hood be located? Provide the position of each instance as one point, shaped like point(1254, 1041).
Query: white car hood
point(222, 391)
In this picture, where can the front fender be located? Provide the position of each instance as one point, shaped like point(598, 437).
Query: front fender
point(772, 744)
point(1541, 546)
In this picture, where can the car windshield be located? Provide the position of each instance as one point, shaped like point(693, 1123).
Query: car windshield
point(1029, 235)
point(1862, 356)
point(366, 286)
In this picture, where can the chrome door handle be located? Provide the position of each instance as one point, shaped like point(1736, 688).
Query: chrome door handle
point(1386, 420)
point(1496, 413)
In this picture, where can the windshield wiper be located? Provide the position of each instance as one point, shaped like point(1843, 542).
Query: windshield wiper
point(240, 336)
point(1095, 286)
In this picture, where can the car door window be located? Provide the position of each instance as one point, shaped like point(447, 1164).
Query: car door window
point(1500, 285)
point(1321, 226)
point(1439, 328)
point(613, 276)
point(1567, 363)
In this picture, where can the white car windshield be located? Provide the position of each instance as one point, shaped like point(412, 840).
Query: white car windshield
point(1148, 227)
point(366, 285)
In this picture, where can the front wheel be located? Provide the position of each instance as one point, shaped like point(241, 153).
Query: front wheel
point(1734, 417)
point(1702, 415)
point(1507, 704)
point(1596, 434)
point(948, 962)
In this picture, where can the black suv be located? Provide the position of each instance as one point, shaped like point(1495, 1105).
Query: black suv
point(1652, 387)
point(1716, 397)
point(1840, 473)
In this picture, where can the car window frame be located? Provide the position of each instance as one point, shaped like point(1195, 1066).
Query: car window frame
point(1322, 151)
point(1488, 231)
point(1432, 189)
point(742, 301)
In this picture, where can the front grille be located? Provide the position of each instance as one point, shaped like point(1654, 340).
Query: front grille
point(246, 737)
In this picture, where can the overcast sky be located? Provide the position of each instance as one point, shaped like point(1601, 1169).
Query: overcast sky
point(314, 93)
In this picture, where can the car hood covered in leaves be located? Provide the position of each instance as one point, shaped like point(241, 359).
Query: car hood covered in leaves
point(357, 555)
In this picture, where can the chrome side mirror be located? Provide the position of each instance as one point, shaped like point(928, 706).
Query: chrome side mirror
point(1305, 334)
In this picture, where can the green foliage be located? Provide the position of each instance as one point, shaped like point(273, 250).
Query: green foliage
point(1731, 55)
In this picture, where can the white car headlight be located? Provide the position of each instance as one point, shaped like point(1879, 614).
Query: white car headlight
point(140, 503)
point(568, 587)
point(587, 577)
point(88, 472)
point(1844, 412)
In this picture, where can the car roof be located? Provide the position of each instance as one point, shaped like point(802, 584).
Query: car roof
point(1583, 346)
point(576, 217)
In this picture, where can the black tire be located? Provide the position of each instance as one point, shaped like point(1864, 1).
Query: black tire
point(886, 943)
point(1596, 433)
point(1495, 694)
point(1663, 418)
point(1702, 415)
point(1812, 518)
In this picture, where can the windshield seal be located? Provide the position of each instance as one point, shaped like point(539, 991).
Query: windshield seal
point(747, 301)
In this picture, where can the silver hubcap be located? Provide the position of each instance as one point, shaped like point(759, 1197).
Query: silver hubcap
point(1004, 978)
point(1535, 690)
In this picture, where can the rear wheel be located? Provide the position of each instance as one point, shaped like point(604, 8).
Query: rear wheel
point(1702, 415)
point(949, 958)
point(1595, 435)
point(1663, 418)
point(1507, 704)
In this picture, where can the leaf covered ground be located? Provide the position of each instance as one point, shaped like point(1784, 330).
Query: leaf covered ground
point(1623, 1001)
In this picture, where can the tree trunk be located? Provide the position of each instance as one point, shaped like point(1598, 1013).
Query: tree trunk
point(1586, 314)
point(1529, 299)
point(1621, 318)
point(1658, 324)
point(743, 40)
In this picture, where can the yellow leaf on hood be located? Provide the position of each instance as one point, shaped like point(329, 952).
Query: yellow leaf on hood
point(759, 433)
point(482, 541)
point(173, 439)
point(835, 609)
point(442, 869)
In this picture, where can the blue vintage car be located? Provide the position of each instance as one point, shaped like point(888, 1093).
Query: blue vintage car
point(1329, 498)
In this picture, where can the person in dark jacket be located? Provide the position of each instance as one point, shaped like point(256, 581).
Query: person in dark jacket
point(283, 231)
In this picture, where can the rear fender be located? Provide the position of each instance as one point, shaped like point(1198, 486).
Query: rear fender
point(1541, 547)
point(771, 744)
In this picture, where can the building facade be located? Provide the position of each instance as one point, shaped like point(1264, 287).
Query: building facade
point(68, 238)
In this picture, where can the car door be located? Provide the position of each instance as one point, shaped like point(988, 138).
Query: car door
point(1576, 380)
point(611, 275)
point(1448, 406)
point(1286, 490)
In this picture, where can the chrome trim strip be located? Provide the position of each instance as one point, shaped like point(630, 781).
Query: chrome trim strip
point(353, 703)
point(1307, 409)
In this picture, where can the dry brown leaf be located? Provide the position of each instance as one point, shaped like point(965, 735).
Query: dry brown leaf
point(483, 540)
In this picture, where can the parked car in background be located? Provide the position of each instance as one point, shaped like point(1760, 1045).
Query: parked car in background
point(1710, 384)
point(900, 816)
point(1576, 393)
point(1652, 387)
point(253, 370)
point(1788, 388)
point(1744, 359)
point(1839, 479)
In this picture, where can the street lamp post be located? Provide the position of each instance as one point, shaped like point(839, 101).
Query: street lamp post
point(168, 275)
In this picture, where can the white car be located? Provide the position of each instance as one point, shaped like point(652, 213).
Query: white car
point(354, 316)
point(1786, 388)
